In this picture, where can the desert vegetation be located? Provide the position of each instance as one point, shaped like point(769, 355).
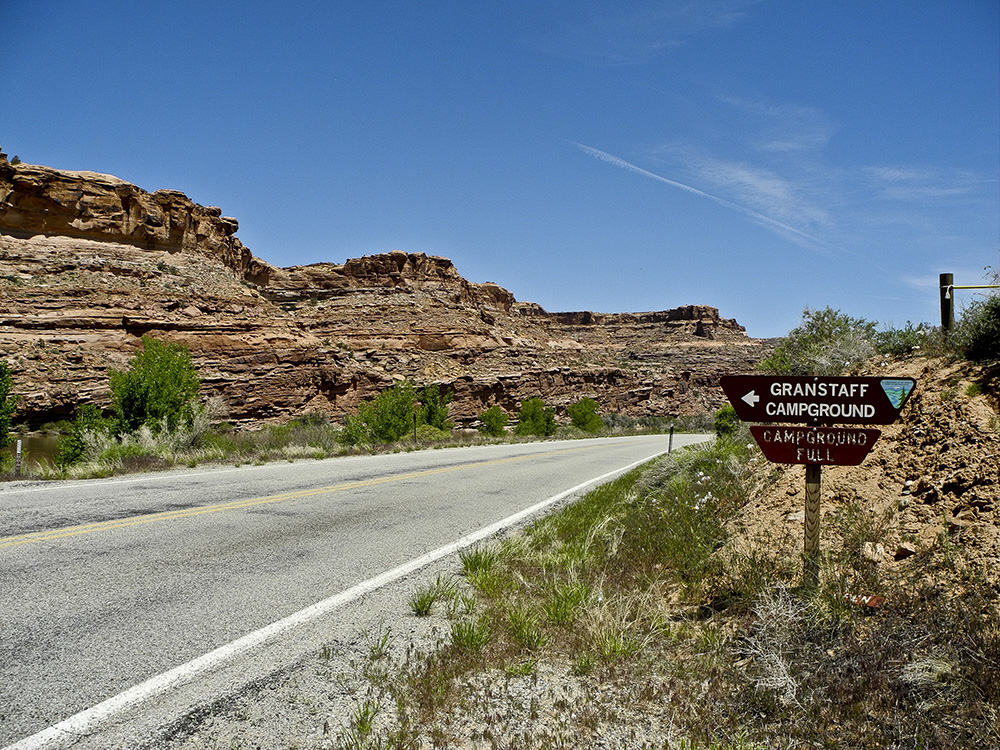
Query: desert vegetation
point(639, 617)
point(645, 615)
point(831, 342)
point(156, 420)
point(7, 406)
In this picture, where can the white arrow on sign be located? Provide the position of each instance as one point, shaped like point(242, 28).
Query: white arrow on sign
point(751, 398)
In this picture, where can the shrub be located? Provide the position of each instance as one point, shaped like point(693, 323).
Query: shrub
point(493, 422)
point(390, 415)
point(157, 390)
point(906, 341)
point(72, 446)
point(535, 418)
point(583, 414)
point(827, 342)
point(726, 422)
point(7, 403)
point(977, 335)
point(434, 407)
point(430, 433)
point(385, 419)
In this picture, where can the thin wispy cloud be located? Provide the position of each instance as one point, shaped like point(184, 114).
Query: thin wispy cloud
point(763, 190)
point(798, 236)
point(610, 36)
point(914, 184)
point(784, 127)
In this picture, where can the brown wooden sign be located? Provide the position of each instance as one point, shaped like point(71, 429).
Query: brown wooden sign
point(817, 399)
point(840, 446)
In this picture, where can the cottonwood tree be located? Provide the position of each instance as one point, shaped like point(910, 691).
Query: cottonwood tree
point(7, 403)
point(159, 389)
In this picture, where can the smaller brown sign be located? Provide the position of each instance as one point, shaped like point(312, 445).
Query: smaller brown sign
point(839, 446)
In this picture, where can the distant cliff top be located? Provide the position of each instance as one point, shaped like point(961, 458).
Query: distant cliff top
point(89, 263)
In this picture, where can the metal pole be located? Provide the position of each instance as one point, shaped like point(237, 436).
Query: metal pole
point(670, 443)
point(810, 556)
point(947, 284)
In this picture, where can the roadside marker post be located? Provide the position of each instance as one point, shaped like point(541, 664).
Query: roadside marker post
point(819, 402)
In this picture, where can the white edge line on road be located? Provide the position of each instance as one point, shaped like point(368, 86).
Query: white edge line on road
point(80, 724)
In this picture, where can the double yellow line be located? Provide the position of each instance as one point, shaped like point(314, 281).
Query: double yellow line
point(120, 523)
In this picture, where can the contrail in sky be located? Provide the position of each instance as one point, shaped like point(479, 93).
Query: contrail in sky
point(616, 161)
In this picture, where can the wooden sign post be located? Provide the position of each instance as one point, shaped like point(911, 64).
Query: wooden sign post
point(819, 402)
point(810, 547)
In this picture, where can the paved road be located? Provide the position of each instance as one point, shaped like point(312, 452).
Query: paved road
point(109, 583)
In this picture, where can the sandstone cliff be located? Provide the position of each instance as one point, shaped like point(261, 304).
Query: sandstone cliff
point(90, 263)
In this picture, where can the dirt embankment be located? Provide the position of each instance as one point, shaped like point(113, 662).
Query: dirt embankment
point(936, 470)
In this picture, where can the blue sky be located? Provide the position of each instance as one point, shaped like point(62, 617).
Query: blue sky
point(760, 157)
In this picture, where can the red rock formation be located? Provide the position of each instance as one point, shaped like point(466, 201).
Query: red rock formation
point(89, 264)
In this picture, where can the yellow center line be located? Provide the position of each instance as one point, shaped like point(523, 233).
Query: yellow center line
point(70, 531)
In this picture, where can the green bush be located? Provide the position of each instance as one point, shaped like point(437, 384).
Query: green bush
point(385, 419)
point(493, 422)
point(158, 389)
point(827, 342)
point(7, 403)
point(71, 446)
point(583, 415)
point(726, 422)
point(535, 418)
point(977, 335)
point(434, 407)
point(907, 341)
point(430, 433)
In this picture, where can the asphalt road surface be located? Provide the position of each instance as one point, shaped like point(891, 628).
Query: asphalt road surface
point(118, 593)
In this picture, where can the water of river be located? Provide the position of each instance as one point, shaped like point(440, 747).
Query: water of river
point(36, 447)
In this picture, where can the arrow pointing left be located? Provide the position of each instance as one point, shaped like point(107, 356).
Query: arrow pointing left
point(751, 398)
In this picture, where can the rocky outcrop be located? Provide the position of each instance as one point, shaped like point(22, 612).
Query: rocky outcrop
point(88, 205)
point(89, 264)
point(396, 271)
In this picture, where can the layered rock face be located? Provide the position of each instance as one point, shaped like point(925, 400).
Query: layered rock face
point(89, 264)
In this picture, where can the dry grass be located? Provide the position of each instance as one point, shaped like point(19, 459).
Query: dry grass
point(628, 617)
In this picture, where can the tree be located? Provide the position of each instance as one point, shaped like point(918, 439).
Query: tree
point(7, 403)
point(158, 389)
point(535, 418)
point(385, 419)
point(493, 422)
point(434, 407)
point(583, 415)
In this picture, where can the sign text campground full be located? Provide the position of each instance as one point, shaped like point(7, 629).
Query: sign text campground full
point(843, 446)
